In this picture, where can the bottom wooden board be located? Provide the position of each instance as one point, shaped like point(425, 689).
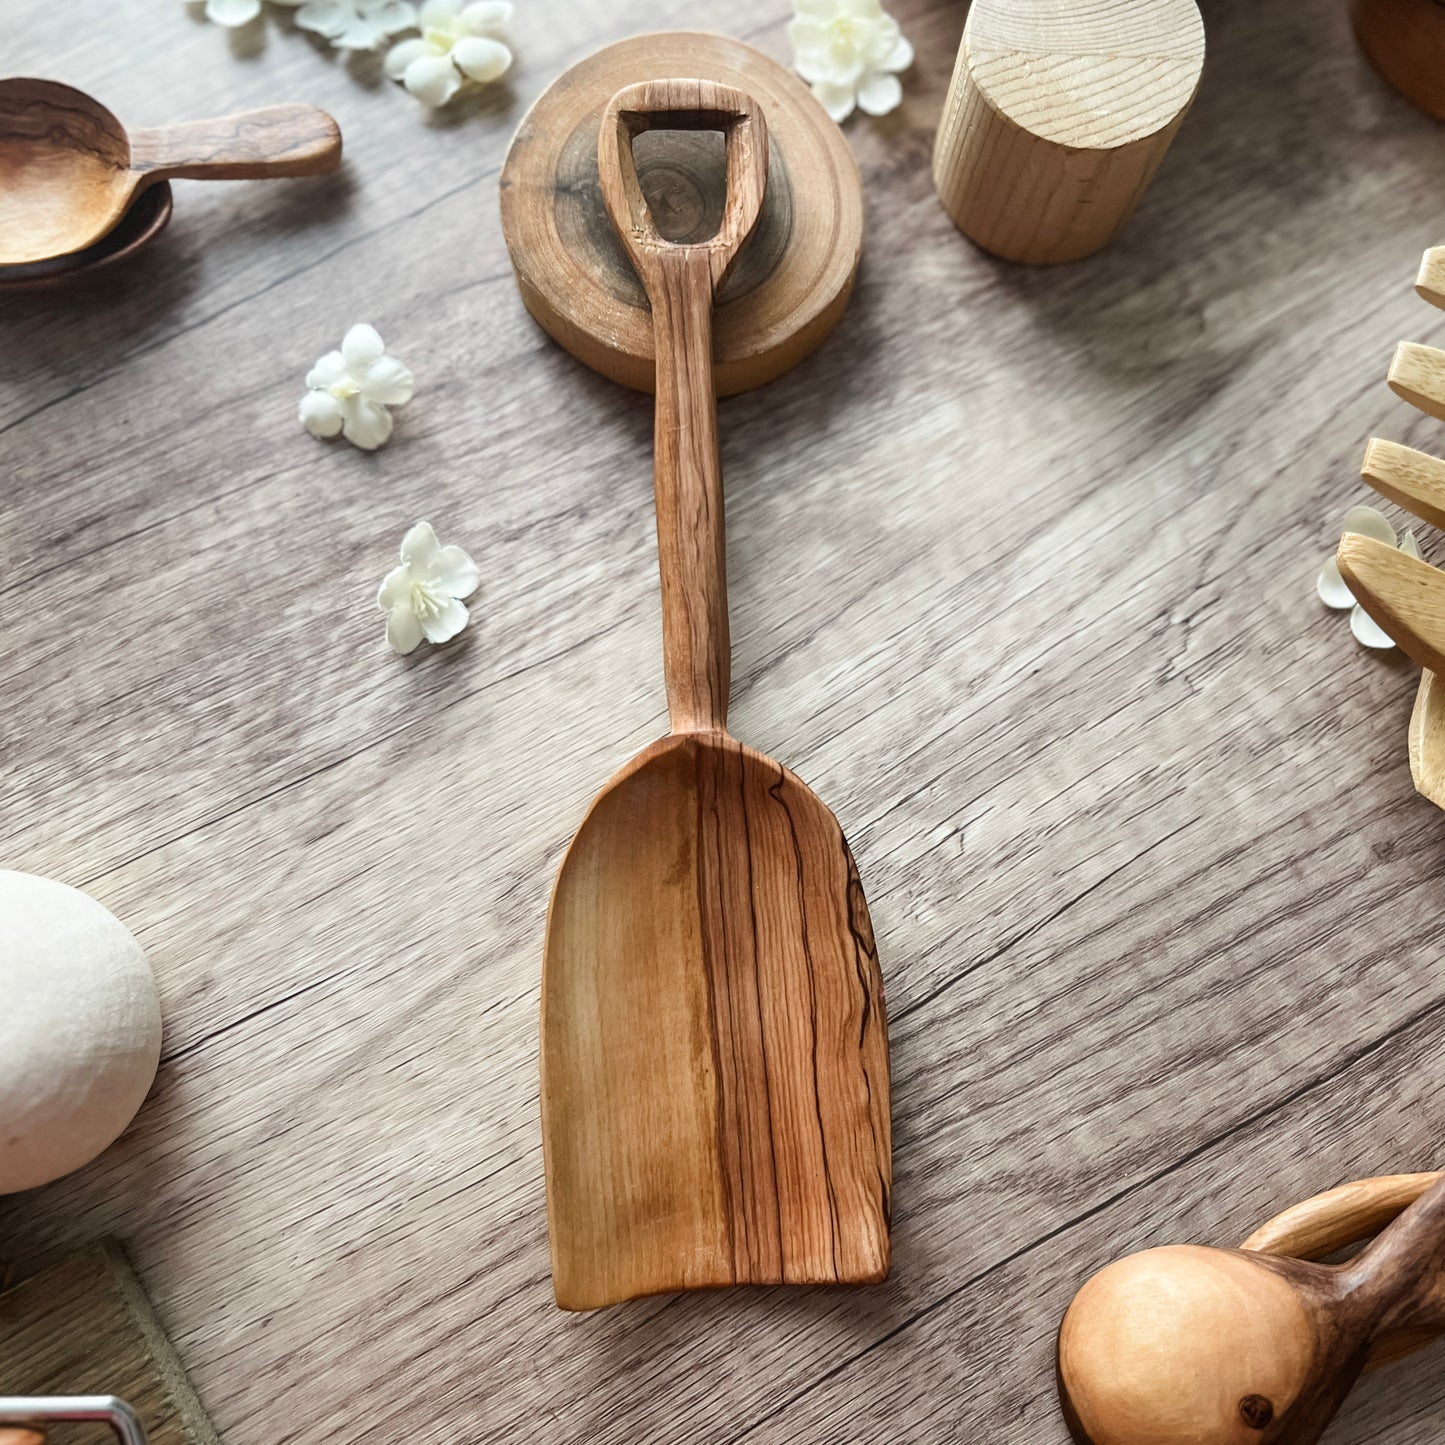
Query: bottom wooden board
point(85, 1327)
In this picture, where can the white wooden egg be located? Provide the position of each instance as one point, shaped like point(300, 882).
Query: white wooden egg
point(80, 1029)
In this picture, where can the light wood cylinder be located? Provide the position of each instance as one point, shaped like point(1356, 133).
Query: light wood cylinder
point(1059, 114)
point(1405, 42)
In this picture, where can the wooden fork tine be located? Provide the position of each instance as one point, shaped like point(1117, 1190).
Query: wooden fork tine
point(1417, 374)
point(1412, 480)
point(1430, 283)
point(1405, 596)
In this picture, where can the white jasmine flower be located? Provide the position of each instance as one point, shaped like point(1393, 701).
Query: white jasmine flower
point(459, 42)
point(1331, 585)
point(233, 13)
point(357, 24)
point(352, 388)
point(849, 51)
point(422, 597)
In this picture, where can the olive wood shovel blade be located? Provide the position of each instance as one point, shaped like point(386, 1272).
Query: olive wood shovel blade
point(715, 1104)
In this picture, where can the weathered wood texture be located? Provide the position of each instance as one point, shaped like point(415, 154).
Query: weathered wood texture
point(1022, 585)
point(84, 1327)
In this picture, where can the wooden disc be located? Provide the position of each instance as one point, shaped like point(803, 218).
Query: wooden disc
point(792, 277)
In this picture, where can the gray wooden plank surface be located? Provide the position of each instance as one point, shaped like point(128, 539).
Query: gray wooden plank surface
point(1021, 570)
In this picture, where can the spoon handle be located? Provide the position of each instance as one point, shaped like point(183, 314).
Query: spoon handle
point(281, 140)
point(681, 281)
point(1400, 1277)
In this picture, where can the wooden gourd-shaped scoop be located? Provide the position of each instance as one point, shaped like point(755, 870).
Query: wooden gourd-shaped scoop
point(1187, 1345)
point(715, 1104)
point(69, 170)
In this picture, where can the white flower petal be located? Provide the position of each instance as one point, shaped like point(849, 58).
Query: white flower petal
point(388, 382)
point(404, 52)
point(367, 424)
point(403, 631)
point(900, 57)
point(454, 572)
point(321, 413)
point(880, 93)
point(837, 99)
point(487, 17)
point(232, 12)
point(481, 58)
point(1332, 588)
point(329, 370)
point(360, 347)
point(419, 548)
point(842, 63)
point(1369, 523)
point(444, 624)
point(359, 33)
point(1367, 631)
point(390, 15)
point(439, 14)
point(395, 588)
point(807, 33)
point(323, 17)
point(1410, 547)
point(432, 80)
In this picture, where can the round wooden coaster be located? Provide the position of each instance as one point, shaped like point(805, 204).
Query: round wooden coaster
point(792, 277)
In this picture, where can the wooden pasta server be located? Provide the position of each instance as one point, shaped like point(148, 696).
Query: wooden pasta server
point(715, 1101)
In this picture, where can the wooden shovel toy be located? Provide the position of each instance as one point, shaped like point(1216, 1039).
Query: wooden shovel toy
point(1186, 1345)
point(714, 1054)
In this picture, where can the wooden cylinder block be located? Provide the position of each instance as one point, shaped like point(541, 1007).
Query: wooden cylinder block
point(1405, 42)
point(1059, 114)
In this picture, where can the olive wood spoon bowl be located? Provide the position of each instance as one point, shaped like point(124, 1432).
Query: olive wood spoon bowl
point(1233, 1347)
point(714, 1053)
point(69, 170)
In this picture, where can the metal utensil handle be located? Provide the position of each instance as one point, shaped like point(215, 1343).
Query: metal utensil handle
point(38, 1410)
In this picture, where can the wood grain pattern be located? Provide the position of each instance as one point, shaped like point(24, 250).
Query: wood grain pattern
point(1417, 375)
point(715, 1094)
point(1021, 582)
point(1058, 116)
point(1411, 479)
point(1221, 1347)
point(72, 170)
point(83, 1327)
point(1430, 282)
point(796, 272)
point(1404, 595)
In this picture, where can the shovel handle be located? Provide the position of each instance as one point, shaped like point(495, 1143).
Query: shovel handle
point(681, 281)
point(281, 140)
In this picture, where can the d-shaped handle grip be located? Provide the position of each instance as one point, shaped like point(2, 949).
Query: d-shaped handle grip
point(682, 105)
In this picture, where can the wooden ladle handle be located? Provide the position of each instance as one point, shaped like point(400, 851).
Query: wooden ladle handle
point(281, 140)
point(681, 280)
point(1323, 1225)
point(1347, 1215)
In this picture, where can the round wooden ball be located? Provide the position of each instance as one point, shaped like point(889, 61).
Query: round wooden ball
point(80, 1029)
point(792, 278)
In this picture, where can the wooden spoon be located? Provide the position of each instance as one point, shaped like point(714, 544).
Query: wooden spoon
point(715, 1105)
point(69, 170)
point(1186, 1345)
point(146, 219)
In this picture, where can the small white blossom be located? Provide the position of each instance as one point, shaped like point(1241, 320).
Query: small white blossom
point(850, 52)
point(1334, 592)
point(459, 42)
point(357, 24)
point(234, 13)
point(351, 389)
point(423, 597)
